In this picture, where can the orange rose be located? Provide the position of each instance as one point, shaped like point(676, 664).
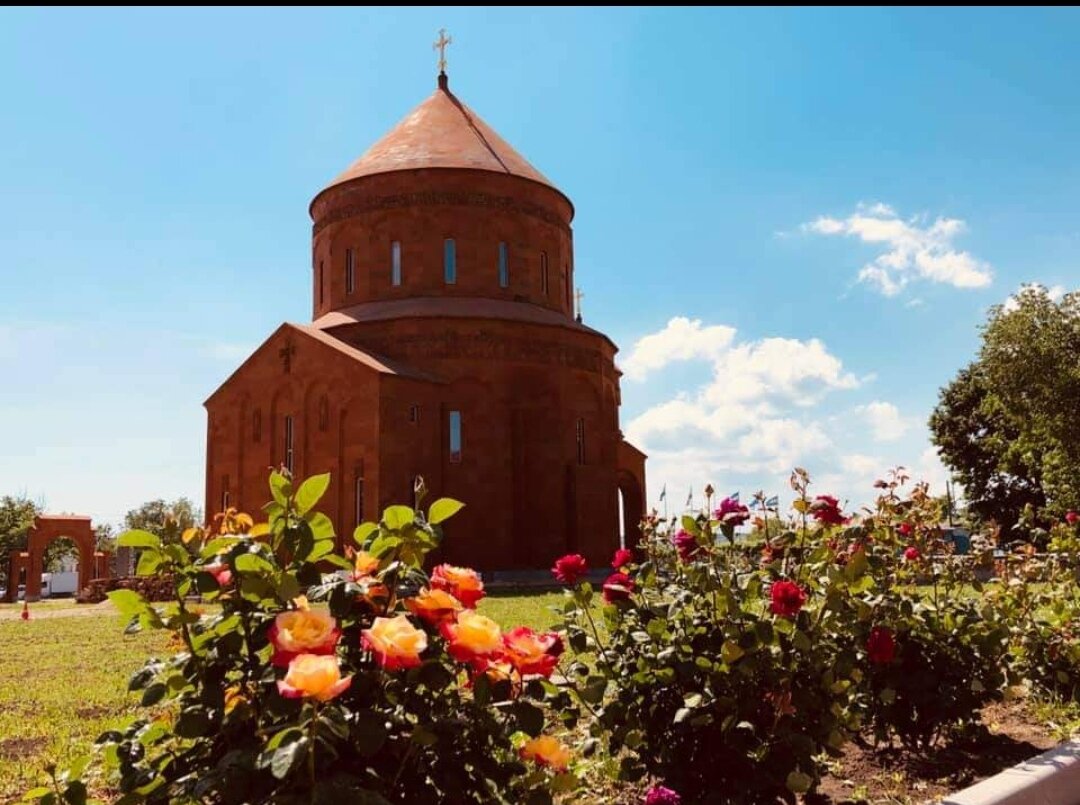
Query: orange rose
point(546, 751)
point(375, 593)
point(313, 676)
point(395, 642)
point(434, 606)
point(472, 638)
point(532, 653)
point(302, 631)
point(461, 582)
point(365, 564)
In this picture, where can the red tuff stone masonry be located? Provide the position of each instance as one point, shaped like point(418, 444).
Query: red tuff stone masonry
point(476, 377)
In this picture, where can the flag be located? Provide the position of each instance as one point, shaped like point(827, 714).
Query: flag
point(734, 498)
point(772, 502)
point(663, 493)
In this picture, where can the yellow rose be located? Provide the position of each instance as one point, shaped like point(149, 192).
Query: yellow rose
point(395, 642)
point(313, 676)
point(546, 751)
point(472, 637)
point(302, 631)
point(434, 606)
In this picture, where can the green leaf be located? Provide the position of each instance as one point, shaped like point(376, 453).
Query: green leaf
point(253, 563)
point(443, 509)
point(292, 733)
point(128, 602)
point(280, 488)
point(192, 723)
point(288, 587)
point(363, 531)
point(529, 718)
point(322, 527)
point(799, 783)
point(75, 793)
point(154, 694)
point(370, 732)
point(138, 539)
point(593, 689)
point(311, 492)
point(288, 757)
point(149, 561)
point(397, 517)
point(731, 651)
point(801, 641)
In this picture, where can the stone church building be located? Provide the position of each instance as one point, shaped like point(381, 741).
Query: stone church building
point(443, 344)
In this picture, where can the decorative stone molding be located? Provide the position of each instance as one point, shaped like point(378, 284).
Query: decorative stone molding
point(436, 199)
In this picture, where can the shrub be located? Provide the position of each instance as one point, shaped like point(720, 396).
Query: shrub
point(950, 650)
point(730, 673)
point(372, 684)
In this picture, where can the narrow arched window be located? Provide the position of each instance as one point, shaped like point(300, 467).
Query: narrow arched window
point(449, 261)
point(395, 262)
point(288, 445)
point(504, 265)
point(543, 273)
point(350, 272)
point(581, 441)
point(455, 437)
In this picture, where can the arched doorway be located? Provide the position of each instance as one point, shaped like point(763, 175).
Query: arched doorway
point(632, 509)
point(47, 528)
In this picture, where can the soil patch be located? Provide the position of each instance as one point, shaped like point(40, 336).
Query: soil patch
point(20, 748)
point(865, 774)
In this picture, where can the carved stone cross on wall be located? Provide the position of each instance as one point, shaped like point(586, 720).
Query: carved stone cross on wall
point(286, 353)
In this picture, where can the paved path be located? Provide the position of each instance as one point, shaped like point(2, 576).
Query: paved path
point(14, 613)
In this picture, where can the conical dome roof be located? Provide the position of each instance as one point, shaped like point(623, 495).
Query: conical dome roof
point(442, 132)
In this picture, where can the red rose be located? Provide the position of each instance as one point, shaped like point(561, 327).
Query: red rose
point(221, 573)
point(731, 512)
point(906, 529)
point(617, 587)
point(686, 544)
point(1072, 518)
point(826, 509)
point(880, 646)
point(787, 598)
point(570, 568)
point(623, 556)
point(912, 554)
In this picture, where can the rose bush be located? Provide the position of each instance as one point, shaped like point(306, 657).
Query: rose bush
point(330, 677)
point(725, 673)
point(730, 665)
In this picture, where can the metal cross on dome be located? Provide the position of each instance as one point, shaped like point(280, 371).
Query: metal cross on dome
point(440, 46)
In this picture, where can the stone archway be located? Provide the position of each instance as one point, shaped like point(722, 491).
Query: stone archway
point(633, 507)
point(46, 528)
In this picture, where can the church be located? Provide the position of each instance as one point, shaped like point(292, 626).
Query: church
point(443, 345)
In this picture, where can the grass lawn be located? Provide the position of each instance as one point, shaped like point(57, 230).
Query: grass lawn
point(63, 680)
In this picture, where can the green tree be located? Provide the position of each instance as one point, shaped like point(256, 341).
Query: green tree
point(166, 520)
point(16, 517)
point(1009, 424)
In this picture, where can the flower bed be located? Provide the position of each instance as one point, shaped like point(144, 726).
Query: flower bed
point(703, 668)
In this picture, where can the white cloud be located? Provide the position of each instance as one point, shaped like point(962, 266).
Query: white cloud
point(748, 415)
point(681, 340)
point(912, 249)
point(884, 420)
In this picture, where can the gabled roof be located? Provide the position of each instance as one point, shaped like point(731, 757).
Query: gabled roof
point(369, 360)
point(442, 132)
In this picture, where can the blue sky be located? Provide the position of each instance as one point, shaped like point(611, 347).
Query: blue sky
point(791, 221)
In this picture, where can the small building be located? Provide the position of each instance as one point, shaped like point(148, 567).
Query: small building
point(444, 344)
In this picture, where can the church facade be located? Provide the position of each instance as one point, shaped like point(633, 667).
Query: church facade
point(443, 345)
